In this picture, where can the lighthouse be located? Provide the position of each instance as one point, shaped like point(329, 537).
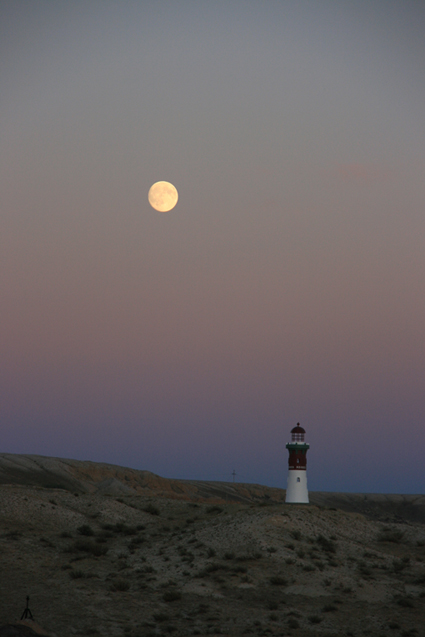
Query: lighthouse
point(297, 492)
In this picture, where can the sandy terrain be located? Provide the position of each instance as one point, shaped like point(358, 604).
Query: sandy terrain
point(125, 553)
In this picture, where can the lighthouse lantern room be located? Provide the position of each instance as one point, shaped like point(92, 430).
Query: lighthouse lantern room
point(297, 492)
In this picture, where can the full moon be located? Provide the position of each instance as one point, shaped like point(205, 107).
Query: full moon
point(163, 196)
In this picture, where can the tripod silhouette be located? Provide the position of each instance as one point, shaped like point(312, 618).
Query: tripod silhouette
point(27, 614)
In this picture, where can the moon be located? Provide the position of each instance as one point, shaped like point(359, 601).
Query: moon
point(163, 196)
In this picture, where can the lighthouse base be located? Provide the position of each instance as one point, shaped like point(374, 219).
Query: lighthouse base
point(297, 492)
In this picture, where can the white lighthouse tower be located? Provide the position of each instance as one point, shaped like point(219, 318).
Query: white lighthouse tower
point(297, 492)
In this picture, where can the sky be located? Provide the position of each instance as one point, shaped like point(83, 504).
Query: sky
point(287, 285)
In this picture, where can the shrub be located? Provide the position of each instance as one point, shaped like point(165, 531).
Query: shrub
point(389, 534)
point(85, 529)
point(77, 574)
point(315, 619)
point(214, 509)
point(211, 552)
point(405, 602)
point(293, 623)
point(119, 527)
point(296, 535)
point(90, 547)
point(393, 625)
point(326, 544)
point(277, 580)
point(120, 585)
point(400, 565)
point(150, 508)
point(308, 568)
point(171, 596)
point(272, 549)
point(229, 556)
point(65, 534)
point(161, 617)
point(12, 535)
point(329, 608)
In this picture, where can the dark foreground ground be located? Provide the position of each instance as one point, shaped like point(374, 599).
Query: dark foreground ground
point(196, 563)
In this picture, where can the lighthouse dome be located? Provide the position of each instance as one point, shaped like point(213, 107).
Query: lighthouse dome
point(298, 433)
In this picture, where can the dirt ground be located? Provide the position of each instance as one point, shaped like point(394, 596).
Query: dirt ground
point(136, 566)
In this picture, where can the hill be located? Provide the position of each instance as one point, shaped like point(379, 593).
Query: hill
point(105, 550)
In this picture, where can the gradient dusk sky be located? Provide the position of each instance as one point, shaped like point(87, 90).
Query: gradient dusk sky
point(286, 285)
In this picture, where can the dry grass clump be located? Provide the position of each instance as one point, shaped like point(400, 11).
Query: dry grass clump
point(88, 547)
point(389, 534)
point(171, 596)
point(277, 580)
point(86, 530)
point(152, 509)
point(327, 545)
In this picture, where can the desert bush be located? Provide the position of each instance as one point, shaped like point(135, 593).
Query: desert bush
point(85, 529)
point(12, 535)
point(293, 623)
point(161, 617)
point(77, 574)
point(151, 508)
point(308, 568)
point(65, 534)
point(389, 534)
point(90, 547)
point(400, 565)
point(315, 619)
point(211, 552)
point(47, 542)
point(329, 608)
point(273, 617)
point(405, 602)
point(277, 580)
point(239, 569)
point(300, 553)
point(171, 596)
point(326, 544)
point(214, 509)
point(121, 528)
point(295, 535)
point(121, 585)
point(272, 549)
point(364, 570)
point(229, 555)
point(393, 625)
point(272, 605)
point(136, 541)
point(290, 560)
point(420, 579)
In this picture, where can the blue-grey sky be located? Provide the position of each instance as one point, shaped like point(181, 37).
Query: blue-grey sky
point(286, 285)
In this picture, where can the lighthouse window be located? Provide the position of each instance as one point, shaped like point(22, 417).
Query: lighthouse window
point(298, 461)
point(298, 479)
